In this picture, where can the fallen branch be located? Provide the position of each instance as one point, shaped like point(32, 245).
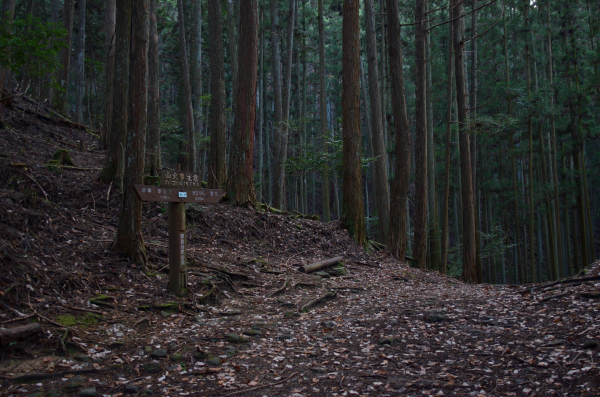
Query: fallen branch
point(546, 299)
point(263, 386)
point(19, 333)
point(315, 302)
point(36, 377)
point(324, 264)
point(574, 280)
point(591, 295)
point(366, 264)
point(282, 289)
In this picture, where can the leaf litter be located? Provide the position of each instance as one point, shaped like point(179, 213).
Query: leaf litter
point(110, 327)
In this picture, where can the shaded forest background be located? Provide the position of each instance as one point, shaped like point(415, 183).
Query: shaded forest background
point(531, 120)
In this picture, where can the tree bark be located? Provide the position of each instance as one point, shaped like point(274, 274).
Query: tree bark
point(325, 194)
point(153, 160)
point(114, 162)
point(197, 78)
point(240, 189)
point(217, 171)
point(189, 150)
point(80, 82)
point(397, 237)
point(445, 224)
point(380, 171)
point(110, 18)
point(232, 38)
point(420, 241)
point(19, 333)
point(468, 211)
point(65, 56)
point(353, 216)
point(7, 17)
point(129, 238)
point(283, 135)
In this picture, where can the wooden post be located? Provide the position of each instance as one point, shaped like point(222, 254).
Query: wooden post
point(177, 260)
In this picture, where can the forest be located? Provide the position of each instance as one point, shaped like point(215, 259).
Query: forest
point(460, 135)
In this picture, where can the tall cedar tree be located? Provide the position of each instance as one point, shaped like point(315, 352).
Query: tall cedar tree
point(80, 81)
point(380, 171)
point(397, 238)
point(468, 212)
point(129, 230)
point(353, 216)
point(323, 113)
point(240, 187)
point(153, 161)
point(114, 162)
point(189, 146)
point(217, 169)
point(8, 14)
point(420, 244)
point(65, 56)
point(109, 50)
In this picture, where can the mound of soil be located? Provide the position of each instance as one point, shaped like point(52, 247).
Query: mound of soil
point(251, 324)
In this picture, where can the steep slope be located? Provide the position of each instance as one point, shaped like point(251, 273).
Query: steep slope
point(109, 327)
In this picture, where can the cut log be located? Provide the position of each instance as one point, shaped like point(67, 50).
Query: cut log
point(324, 264)
point(19, 333)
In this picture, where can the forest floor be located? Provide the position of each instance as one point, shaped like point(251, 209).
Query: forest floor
point(110, 328)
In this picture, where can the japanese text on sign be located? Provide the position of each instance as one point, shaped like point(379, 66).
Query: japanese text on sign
point(179, 179)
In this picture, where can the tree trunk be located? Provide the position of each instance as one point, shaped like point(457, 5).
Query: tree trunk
point(217, 171)
point(7, 17)
point(153, 160)
point(445, 225)
point(232, 38)
point(283, 135)
point(325, 195)
point(129, 238)
point(468, 211)
point(189, 150)
point(380, 172)
point(115, 156)
point(109, 50)
point(353, 216)
point(261, 108)
point(240, 188)
point(434, 228)
point(397, 237)
point(420, 241)
point(50, 82)
point(197, 76)
point(80, 82)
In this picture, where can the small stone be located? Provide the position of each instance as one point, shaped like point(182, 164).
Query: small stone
point(201, 355)
point(435, 318)
point(292, 314)
point(165, 314)
point(235, 338)
point(214, 361)
point(152, 367)
point(83, 358)
point(117, 344)
point(175, 367)
point(148, 349)
point(253, 332)
point(159, 353)
point(337, 271)
point(328, 324)
point(285, 337)
point(52, 393)
point(131, 389)
point(319, 370)
point(287, 304)
point(322, 274)
point(88, 392)
point(590, 344)
point(177, 357)
point(230, 352)
point(329, 337)
point(386, 341)
point(73, 386)
point(147, 392)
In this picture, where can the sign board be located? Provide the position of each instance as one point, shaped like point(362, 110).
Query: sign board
point(170, 178)
point(178, 194)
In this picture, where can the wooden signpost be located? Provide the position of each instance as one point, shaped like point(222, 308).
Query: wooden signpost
point(181, 188)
